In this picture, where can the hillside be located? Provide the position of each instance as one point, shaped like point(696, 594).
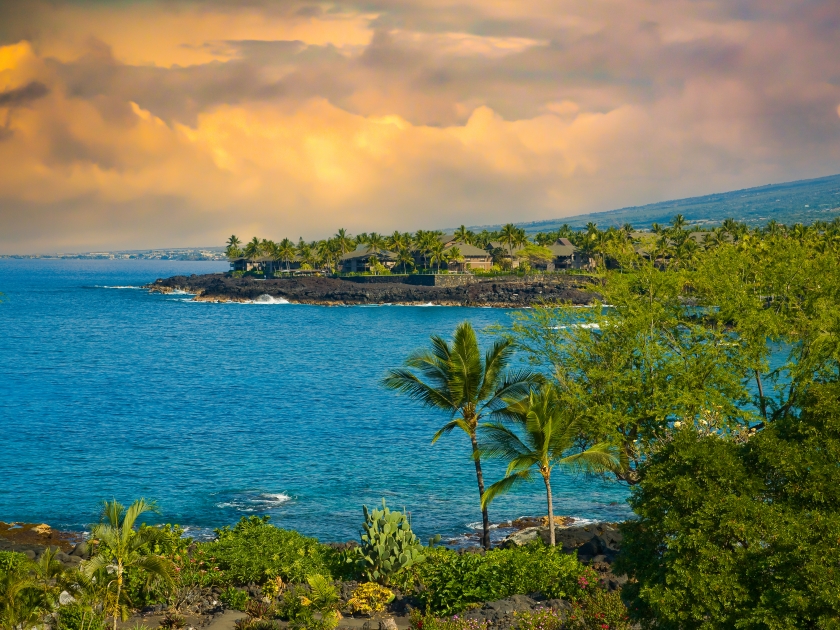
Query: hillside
point(803, 201)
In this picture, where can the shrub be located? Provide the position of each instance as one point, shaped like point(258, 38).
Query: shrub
point(172, 621)
point(299, 605)
point(740, 534)
point(370, 598)
point(388, 544)
point(234, 599)
point(13, 562)
point(77, 616)
point(598, 610)
point(420, 621)
point(540, 619)
point(254, 551)
point(449, 582)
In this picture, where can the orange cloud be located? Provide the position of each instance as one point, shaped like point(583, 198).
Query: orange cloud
point(123, 123)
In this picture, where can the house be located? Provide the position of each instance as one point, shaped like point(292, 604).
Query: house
point(358, 260)
point(565, 256)
point(475, 258)
point(263, 264)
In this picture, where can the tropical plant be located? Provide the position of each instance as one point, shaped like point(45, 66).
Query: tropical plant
point(119, 547)
point(369, 598)
point(375, 243)
point(21, 601)
point(234, 599)
point(48, 572)
point(388, 546)
point(256, 551)
point(453, 378)
point(344, 242)
point(544, 438)
point(437, 253)
point(253, 249)
point(286, 251)
point(509, 235)
point(453, 254)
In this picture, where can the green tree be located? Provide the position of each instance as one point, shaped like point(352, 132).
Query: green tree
point(437, 253)
point(454, 378)
point(544, 437)
point(740, 533)
point(253, 249)
point(286, 251)
point(120, 547)
point(509, 236)
point(344, 241)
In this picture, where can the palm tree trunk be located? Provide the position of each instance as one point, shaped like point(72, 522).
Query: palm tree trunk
point(485, 519)
point(117, 603)
point(547, 479)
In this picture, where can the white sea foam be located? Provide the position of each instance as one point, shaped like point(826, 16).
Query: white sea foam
point(253, 501)
point(595, 326)
point(119, 286)
point(267, 299)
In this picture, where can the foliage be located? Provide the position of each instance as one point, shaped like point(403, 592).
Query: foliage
point(546, 439)
point(77, 616)
point(741, 533)
point(388, 545)
point(420, 621)
point(540, 619)
point(255, 551)
point(234, 599)
point(455, 379)
point(22, 604)
point(13, 561)
point(370, 598)
point(449, 582)
point(598, 610)
point(172, 621)
point(300, 604)
point(119, 547)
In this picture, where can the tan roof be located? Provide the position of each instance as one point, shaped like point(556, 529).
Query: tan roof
point(470, 251)
point(366, 252)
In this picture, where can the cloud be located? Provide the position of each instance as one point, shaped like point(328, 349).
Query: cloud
point(131, 124)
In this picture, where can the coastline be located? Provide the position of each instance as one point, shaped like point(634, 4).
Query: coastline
point(501, 292)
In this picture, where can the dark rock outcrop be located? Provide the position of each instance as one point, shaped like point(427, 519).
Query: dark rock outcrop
point(505, 291)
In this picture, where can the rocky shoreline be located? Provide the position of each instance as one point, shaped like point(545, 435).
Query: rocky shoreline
point(501, 292)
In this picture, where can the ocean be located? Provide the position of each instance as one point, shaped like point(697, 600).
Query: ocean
point(219, 411)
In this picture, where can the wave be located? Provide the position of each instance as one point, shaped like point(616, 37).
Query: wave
point(267, 299)
point(253, 501)
point(117, 286)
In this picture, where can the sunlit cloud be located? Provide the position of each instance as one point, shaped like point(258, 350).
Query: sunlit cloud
point(144, 123)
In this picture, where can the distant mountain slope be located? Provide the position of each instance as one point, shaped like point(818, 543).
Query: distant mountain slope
point(803, 201)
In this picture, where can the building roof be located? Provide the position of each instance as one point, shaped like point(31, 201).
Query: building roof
point(561, 250)
point(363, 251)
point(470, 251)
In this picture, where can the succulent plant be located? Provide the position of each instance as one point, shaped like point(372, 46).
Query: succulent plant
point(388, 544)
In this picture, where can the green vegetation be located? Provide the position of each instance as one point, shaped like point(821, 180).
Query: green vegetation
point(454, 378)
point(255, 551)
point(388, 545)
point(449, 582)
point(548, 437)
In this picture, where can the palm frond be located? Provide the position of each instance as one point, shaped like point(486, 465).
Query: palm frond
point(112, 512)
point(156, 567)
point(496, 360)
point(408, 383)
point(500, 442)
point(97, 562)
point(600, 458)
point(505, 485)
point(140, 506)
point(457, 423)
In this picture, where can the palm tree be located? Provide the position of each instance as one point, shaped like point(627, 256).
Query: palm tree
point(509, 235)
point(21, 603)
point(121, 547)
point(344, 241)
point(548, 437)
point(437, 253)
point(253, 249)
point(453, 254)
point(286, 251)
point(48, 570)
point(375, 243)
point(463, 235)
point(454, 378)
point(404, 257)
point(678, 222)
point(233, 241)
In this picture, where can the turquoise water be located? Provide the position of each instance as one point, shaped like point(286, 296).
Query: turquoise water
point(224, 410)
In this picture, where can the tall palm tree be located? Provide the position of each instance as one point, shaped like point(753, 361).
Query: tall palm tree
point(463, 235)
point(544, 441)
point(233, 241)
point(509, 235)
point(678, 222)
point(344, 242)
point(121, 547)
point(437, 253)
point(375, 243)
point(404, 257)
point(286, 251)
point(453, 254)
point(453, 377)
point(254, 248)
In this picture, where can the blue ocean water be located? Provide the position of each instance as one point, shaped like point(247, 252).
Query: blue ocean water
point(224, 410)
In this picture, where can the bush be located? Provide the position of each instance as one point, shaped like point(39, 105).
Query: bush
point(234, 599)
point(598, 610)
point(13, 562)
point(77, 617)
point(254, 551)
point(740, 534)
point(449, 582)
point(420, 621)
point(370, 598)
point(388, 545)
point(173, 621)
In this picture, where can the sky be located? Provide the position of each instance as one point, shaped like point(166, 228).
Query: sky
point(138, 123)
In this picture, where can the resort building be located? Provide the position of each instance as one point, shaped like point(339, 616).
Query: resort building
point(474, 258)
point(359, 260)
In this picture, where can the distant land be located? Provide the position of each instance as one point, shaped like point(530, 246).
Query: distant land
point(803, 201)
